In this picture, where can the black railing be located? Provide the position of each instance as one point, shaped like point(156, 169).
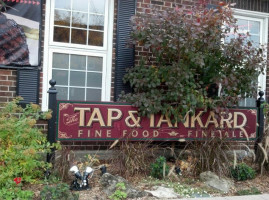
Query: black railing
point(52, 122)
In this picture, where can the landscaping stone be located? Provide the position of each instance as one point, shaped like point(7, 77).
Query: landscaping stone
point(163, 193)
point(214, 181)
point(109, 182)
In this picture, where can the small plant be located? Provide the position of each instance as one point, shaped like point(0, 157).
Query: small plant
point(242, 172)
point(157, 168)
point(22, 147)
point(60, 191)
point(250, 191)
point(119, 192)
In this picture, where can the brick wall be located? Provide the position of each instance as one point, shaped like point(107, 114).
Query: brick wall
point(114, 49)
point(7, 85)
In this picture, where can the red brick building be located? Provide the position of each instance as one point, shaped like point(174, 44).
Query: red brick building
point(83, 47)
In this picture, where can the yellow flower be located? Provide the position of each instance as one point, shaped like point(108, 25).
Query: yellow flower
point(31, 122)
point(48, 116)
point(35, 107)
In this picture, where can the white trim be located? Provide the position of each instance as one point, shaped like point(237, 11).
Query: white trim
point(105, 51)
point(45, 58)
point(263, 19)
point(249, 13)
point(109, 50)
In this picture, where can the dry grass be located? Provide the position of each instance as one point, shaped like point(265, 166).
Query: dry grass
point(209, 155)
point(133, 158)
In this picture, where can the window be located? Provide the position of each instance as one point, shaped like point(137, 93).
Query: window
point(78, 49)
point(256, 24)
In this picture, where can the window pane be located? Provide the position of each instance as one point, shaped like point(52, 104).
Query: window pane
point(86, 14)
point(95, 63)
point(93, 95)
point(251, 102)
point(77, 79)
point(97, 6)
point(61, 77)
point(254, 27)
point(62, 93)
point(248, 102)
point(95, 38)
point(80, 5)
point(66, 4)
point(96, 22)
point(78, 62)
point(61, 34)
point(77, 94)
point(60, 61)
point(94, 80)
point(79, 36)
point(255, 39)
point(242, 25)
point(79, 19)
point(62, 18)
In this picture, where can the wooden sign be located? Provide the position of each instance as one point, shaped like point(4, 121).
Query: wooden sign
point(92, 121)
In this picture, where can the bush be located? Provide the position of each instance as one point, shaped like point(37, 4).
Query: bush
point(22, 146)
point(242, 172)
point(15, 193)
point(157, 168)
point(191, 62)
point(60, 191)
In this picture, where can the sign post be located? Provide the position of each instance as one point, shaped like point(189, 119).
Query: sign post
point(260, 103)
point(52, 122)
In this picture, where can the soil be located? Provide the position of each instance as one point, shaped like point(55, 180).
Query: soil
point(261, 182)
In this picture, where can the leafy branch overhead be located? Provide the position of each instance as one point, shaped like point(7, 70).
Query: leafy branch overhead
point(200, 60)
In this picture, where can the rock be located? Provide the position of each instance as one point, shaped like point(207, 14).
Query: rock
point(212, 180)
point(241, 154)
point(163, 193)
point(109, 182)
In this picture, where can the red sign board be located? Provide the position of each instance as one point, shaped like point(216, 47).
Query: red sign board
point(112, 121)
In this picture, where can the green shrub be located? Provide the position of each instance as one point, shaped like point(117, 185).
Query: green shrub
point(119, 192)
point(188, 61)
point(242, 172)
point(60, 191)
point(250, 191)
point(22, 146)
point(157, 168)
point(15, 193)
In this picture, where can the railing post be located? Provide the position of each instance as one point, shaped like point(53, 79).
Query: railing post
point(52, 122)
point(260, 101)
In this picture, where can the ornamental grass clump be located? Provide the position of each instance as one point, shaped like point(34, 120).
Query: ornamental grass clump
point(22, 147)
point(200, 59)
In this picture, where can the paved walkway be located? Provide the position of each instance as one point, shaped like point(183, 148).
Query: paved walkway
point(249, 197)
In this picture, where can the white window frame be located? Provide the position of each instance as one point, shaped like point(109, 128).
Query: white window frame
point(74, 52)
point(263, 19)
point(78, 45)
point(50, 46)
